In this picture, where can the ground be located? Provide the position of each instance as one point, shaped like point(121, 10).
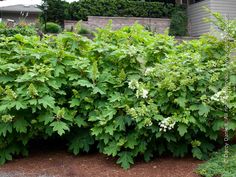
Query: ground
point(59, 163)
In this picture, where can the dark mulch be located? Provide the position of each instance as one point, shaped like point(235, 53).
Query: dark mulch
point(58, 163)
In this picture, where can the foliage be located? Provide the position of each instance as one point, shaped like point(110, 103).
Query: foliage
point(80, 29)
point(2, 25)
point(35, 90)
point(52, 28)
point(220, 164)
point(130, 92)
point(57, 11)
point(179, 22)
point(25, 30)
point(81, 9)
point(226, 26)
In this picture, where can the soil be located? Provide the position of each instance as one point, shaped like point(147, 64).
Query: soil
point(59, 163)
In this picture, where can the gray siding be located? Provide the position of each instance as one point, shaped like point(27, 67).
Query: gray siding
point(196, 13)
point(226, 7)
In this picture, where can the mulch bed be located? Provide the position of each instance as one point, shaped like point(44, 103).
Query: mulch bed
point(59, 163)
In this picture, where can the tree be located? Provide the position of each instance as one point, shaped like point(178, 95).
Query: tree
point(57, 11)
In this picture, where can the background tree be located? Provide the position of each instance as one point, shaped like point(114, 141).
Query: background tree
point(57, 11)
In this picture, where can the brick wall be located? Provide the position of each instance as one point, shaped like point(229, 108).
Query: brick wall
point(155, 24)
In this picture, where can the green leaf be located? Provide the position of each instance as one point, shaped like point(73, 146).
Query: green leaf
point(109, 129)
point(96, 130)
point(182, 128)
point(231, 125)
point(203, 110)
point(115, 97)
point(213, 135)
point(169, 137)
point(59, 69)
point(82, 141)
point(148, 155)
point(54, 84)
point(120, 123)
point(4, 128)
point(20, 105)
point(33, 102)
point(21, 125)
point(59, 127)
point(218, 124)
point(131, 141)
point(74, 102)
point(3, 107)
point(4, 156)
point(46, 118)
point(197, 153)
point(206, 146)
point(84, 83)
point(112, 148)
point(80, 122)
point(98, 90)
point(181, 101)
point(125, 159)
point(47, 101)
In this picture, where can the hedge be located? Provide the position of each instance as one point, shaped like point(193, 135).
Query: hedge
point(52, 28)
point(83, 8)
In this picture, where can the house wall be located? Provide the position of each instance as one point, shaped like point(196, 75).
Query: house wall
point(31, 18)
point(226, 7)
point(196, 14)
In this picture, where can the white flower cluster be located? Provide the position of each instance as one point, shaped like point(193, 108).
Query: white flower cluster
point(133, 84)
point(220, 96)
point(140, 92)
point(167, 124)
point(148, 71)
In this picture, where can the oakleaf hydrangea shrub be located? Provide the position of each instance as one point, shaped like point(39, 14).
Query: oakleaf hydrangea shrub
point(128, 92)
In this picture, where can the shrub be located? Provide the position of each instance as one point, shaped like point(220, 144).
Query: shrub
point(52, 28)
point(23, 30)
point(81, 9)
point(220, 164)
point(179, 22)
point(130, 92)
